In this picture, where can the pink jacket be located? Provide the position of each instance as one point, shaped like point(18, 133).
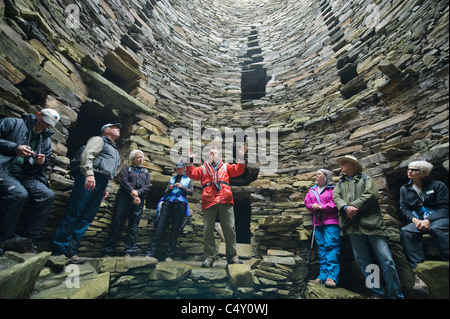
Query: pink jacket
point(329, 209)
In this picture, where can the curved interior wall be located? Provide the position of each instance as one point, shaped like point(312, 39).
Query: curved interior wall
point(343, 77)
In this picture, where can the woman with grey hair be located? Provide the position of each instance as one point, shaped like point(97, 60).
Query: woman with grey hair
point(134, 185)
point(319, 201)
point(424, 204)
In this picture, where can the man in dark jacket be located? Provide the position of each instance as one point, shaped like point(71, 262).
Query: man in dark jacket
point(424, 204)
point(99, 162)
point(25, 150)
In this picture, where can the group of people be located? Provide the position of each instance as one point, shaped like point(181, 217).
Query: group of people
point(25, 197)
point(25, 153)
point(350, 208)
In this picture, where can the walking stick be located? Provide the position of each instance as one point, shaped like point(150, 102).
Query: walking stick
point(318, 212)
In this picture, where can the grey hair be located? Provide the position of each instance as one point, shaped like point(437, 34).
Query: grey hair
point(424, 166)
point(213, 148)
point(328, 176)
point(134, 153)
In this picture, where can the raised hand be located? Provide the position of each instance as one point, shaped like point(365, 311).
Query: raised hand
point(243, 150)
point(191, 153)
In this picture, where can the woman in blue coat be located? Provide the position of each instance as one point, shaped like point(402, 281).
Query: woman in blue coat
point(173, 208)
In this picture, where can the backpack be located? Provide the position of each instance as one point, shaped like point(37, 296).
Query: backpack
point(74, 166)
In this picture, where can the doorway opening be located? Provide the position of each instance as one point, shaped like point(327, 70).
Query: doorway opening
point(242, 217)
point(91, 118)
point(154, 196)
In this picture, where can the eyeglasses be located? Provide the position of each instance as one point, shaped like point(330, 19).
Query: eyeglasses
point(414, 169)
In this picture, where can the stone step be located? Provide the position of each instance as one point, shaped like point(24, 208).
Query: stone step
point(317, 291)
point(244, 251)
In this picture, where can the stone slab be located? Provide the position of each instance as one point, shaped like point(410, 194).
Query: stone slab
point(18, 281)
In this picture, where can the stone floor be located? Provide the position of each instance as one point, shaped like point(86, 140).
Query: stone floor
point(43, 276)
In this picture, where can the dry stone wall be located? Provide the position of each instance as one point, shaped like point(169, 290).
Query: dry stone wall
point(342, 77)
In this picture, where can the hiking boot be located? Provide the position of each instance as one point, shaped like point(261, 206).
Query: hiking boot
point(32, 247)
point(419, 285)
point(234, 260)
point(208, 263)
point(76, 260)
point(21, 245)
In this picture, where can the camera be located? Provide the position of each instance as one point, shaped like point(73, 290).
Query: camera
point(31, 160)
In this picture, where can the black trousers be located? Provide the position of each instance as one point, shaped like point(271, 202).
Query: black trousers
point(15, 192)
point(170, 212)
point(124, 208)
point(411, 239)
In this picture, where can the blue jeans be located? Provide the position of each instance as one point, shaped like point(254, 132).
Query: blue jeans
point(380, 246)
point(328, 241)
point(80, 212)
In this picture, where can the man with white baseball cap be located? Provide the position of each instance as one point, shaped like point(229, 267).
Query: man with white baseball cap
point(25, 150)
point(50, 116)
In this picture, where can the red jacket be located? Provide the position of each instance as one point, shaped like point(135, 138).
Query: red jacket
point(210, 195)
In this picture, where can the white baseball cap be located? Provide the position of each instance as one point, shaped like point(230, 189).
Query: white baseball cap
point(50, 116)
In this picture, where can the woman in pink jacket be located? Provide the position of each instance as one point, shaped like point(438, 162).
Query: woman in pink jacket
point(319, 201)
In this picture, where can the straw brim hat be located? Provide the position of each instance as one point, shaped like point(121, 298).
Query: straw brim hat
point(351, 159)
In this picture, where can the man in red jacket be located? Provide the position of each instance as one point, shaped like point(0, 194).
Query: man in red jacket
point(217, 201)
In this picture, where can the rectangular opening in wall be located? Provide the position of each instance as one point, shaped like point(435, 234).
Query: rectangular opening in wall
point(253, 83)
point(91, 117)
point(242, 214)
point(254, 75)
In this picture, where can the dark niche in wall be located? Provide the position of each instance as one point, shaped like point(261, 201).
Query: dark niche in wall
point(254, 75)
point(242, 217)
point(91, 118)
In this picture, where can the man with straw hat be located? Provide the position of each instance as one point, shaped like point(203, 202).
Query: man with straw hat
point(356, 197)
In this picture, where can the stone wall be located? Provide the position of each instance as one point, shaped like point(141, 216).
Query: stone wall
point(343, 77)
